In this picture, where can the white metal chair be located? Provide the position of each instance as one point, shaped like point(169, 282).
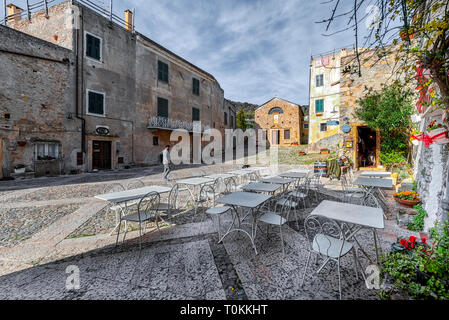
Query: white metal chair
point(315, 183)
point(117, 208)
point(327, 240)
point(172, 202)
point(146, 210)
point(277, 215)
point(135, 184)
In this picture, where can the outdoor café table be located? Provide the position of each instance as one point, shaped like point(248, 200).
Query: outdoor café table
point(129, 195)
point(269, 188)
point(355, 217)
point(192, 184)
point(223, 176)
point(278, 180)
point(374, 183)
point(293, 175)
point(245, 200)
point(375, 174)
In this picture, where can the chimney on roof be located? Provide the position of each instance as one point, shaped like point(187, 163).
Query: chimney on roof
point(129, 25)
point(14, 13)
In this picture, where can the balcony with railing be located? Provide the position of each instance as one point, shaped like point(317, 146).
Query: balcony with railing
point(162, 123)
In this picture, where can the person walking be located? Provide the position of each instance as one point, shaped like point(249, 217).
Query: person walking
point(166, 161)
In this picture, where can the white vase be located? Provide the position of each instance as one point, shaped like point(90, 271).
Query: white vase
point(18, 171)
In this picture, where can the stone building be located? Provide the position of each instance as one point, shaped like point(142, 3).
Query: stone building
point(336, 85)
point(38, 127)
point(324, 110)
point(128, 92)
point(282, 120)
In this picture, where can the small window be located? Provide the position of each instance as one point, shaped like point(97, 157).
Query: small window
point(323, 127)
point(276, 110)
point(162, 71)
point(286, 134)
point(95, 103)
point(93, 47)
point(319, 106)
point(195, 114)
point(196, 86)
point(155, 141)
point(232, 121)
point(319, 80)
point(306, 126)
point(46, 151)
point(225, 119)
point(162, 107)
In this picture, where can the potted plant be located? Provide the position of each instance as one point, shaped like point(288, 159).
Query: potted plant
point(324, 151)
point(302, 153)
point(21, 143)
point(20, 168)
point(407, 198)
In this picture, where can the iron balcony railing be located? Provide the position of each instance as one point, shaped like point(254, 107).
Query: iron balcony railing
point(172, 124)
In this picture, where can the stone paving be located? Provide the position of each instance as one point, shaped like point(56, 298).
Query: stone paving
point(182, 261)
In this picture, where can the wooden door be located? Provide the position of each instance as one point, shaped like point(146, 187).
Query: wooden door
point(101, 155)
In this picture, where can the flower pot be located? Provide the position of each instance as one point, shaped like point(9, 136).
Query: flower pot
point(397, 247)
point(408, 203)
point(19, 171)
point(21, 143)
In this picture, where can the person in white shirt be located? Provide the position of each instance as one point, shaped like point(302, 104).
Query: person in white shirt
point(166, 161)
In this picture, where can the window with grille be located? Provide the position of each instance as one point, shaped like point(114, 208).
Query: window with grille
point(225, 119)
point(287, 134)
point(162, 71)
point(162, 107)
point(93, 47)
point(323, 127)
point(46, 151)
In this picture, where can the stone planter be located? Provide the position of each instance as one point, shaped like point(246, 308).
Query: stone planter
point(404, 215)
point(19, 171)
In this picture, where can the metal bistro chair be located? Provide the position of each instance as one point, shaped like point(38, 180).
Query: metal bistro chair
point(277, 215)
point(350, 194)
point(135, 184)
point(146, 210)
point(315, 183)
point(302, 192)
point(117, 208)
point(327, 240)
point(208, 194)
point(172, 202)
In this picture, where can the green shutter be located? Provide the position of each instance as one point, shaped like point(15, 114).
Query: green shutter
point(96, 103)
point(319, 106)
point(162, 107)
point(93, 47)
point(195, 114)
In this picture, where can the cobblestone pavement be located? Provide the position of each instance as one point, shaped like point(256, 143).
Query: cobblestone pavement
point(53, 223)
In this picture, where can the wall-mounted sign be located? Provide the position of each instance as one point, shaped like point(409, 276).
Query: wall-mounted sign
point(102, 130)
point(333, 123)
point(346, 128)
point(349, 144)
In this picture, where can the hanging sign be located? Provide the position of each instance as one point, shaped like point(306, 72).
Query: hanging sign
point(346, 128)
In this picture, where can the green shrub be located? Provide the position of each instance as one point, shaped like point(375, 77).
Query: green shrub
point(418, 220)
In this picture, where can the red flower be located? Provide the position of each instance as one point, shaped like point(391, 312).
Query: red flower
point(412, 239)
point(404, 243)
point(424, 240)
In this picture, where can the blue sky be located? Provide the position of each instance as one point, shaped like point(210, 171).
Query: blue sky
point(256, 49)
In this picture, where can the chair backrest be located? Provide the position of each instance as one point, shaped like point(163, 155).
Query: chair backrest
point(207, 194)
point(304, 186)
point(320, 233)
point(148, 204)
point(371, 201)
point(135, 184)
point(115, 187)
point(219, 186)
point(231, 185)
point(173, 197)
point(284, 207)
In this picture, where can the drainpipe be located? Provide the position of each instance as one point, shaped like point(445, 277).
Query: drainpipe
point(79, 85)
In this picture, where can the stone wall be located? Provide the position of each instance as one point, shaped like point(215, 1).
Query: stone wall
point(431, 170)
point(37, 100)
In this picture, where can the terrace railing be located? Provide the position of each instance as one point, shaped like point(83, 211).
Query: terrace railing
point(172, 124)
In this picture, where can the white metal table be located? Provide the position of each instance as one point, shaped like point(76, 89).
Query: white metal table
point(129, 195)
point(278, 180)
point(377, 184)
point(246, 200)
point(355, 216)
point(375, 174)
point(270, 188)
point(223, 176)
point(192, 184)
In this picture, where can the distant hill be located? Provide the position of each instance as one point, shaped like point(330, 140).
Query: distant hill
point(249, 107)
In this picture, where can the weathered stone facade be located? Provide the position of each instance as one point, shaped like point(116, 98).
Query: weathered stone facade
point(37, 103)
point(127, 77)
point(278, 116)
